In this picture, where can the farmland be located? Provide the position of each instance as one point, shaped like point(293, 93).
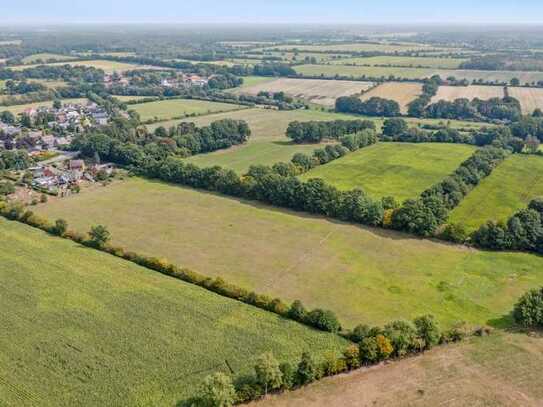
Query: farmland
point(501, 370)
point(401, 92)
point(364, 275)
point(82, 327)
point(175, 108)
point(450, 93)
point(357, 47)
point(401, 170)
point(43, 57)
point(322, 92)
point(529, 98)
point(413, 62)
point(107, 66)
point(16, 109)
point(509, 188)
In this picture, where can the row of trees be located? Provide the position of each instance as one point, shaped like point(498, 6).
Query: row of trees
point(316, 131)
point(507, 109)
point(429, 90)
point(66, 72)
point(374, 106)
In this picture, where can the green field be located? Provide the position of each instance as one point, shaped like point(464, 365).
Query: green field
point(357, 47)
point(509, 188)
point(174, 108)
point(363, 274)
point(16, 109)
point(32, 59)
point(83, 328)
point(401, 170)
point(502, 370)
point(107, 66)
point(255, 80)
point(426, 62)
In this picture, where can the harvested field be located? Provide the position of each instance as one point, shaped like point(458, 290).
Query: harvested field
point(413, 62)
point(401, 92)
point(357, 47)
point(529, 98)
point(322, 92)
point(451, 93)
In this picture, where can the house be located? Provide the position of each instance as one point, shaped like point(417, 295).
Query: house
point(48, 142)
point(63, 141)
point(78, 165)
point(100, 118)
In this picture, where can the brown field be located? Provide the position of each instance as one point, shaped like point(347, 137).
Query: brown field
point(403, 93)
point(320, 91)
point(501, 370)
point(529, 98)
point(451, 93)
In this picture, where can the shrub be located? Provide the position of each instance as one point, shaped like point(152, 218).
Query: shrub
point(268, 373)
point(351, 356)
point(289, 375)
point(402, 336)
point(217, 391)
point(528, 311)
point(307, 371)
point(324, 320)
point(384, 347)
point(369, 350)
point(454, 232)
point(297, 311)
point(427, 330)
point(99, 236)
point(61, 227)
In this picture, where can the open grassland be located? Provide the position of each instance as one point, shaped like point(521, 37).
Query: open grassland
point(34, 58)
point(451, 93)
point(502, 370)
point(249, 81)
point(413, 62)
point(173, 108)
point(124, 98)
point(509, 188)
point(401, 92)
point(357, 47)
point(529, 98)
point(83, 328)
point(363, 274)
point(401, 170)
point(320, 91)
point(16, 109)
point(107, 66)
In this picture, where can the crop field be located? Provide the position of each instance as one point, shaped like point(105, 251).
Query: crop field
point(401, 92)
point(413, 62)
point(175, 108)
point(529, 98)
point(401, 170)
point(363, 274)
point(450, 93)
point(80, 327)
point(32, 59)
point(319, 91)
point(249, 81)
point(107, 66)
point(509, 188)
point(357, 47)
point(501, 370)
point(16, 109)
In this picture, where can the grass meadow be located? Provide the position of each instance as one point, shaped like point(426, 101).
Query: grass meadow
point(401, 170)
point(509, 188)
point(172, 108)
point(363, 274)
point(107, 66)
point(410, 62)
point(34, 58)
point(80, 327)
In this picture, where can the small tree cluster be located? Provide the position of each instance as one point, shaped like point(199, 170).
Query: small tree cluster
point(528, 311)
point(316, 131)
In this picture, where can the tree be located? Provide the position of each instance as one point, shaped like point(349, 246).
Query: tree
point(515, 82)
point(57, 104)
point(394, 127)
point(268, 372)
point(217, 391)
point(528, 311)
point(351, 355)
point(307, 371)
point(60, 228)
point(297, 311)
point(427, 330)
point(324, 319)
point(532, 144)
point(99, 235)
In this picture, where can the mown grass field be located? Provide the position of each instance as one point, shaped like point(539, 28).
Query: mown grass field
point(249, 81)
point(16, 109)
point(363, 274)
point(80, 327)
point(34, 58)
point(401, 170)
point(320, 91)
point(502, 370)
point(401, 92)
point(413, 62)
point(174, 108)
point(509, 188)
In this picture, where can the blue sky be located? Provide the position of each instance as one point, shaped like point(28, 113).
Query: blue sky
point(361, 11)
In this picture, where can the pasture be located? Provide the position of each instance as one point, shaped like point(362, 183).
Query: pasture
point(81, 327)
point(451, 93)
point(401, 92)
point(509, 188)
point(410, 62)
point(501, 370)
point(357, 47)
point(175, 108)
point(319, 91)
point(401, 170)
point(529, 98)
point(363, 274)
point(105, 65)
point(16, 109)
point(45, 56)
point(249, 81)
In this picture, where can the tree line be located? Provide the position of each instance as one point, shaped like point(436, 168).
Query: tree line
point(317, 131)
point(374, 106)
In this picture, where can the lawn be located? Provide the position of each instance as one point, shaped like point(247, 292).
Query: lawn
point(175, 108)
point(509, 188)
point(401, 170)
point(502, 370)
point(363, 274)
point(16, 109)
point(83, 328)
point(425, 62)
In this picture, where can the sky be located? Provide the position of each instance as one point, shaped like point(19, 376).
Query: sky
point(274, 11)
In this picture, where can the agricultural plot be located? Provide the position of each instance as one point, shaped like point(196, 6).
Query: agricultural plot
point(529, 98)
point(175, 108)
point(451, 93)
point(16, 109)
point(322, 92)
point(401, 170)
point(83, 328)
point(509, 188)
point(106, 66)
point(500, 370)
point(401, 92)
point(357, 47)
point(249, 81)
point(413, 62)
point(363, 274)
point(32, 59)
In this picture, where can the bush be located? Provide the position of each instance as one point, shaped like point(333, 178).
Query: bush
point(217, 391)
point(324, 320)
point(528, 311)
point(428, 331)
point(307, 371)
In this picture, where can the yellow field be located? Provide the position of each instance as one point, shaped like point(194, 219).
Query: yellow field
point(529, 98)
point(320, 91)
point(401, 92)
point(450, 93)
